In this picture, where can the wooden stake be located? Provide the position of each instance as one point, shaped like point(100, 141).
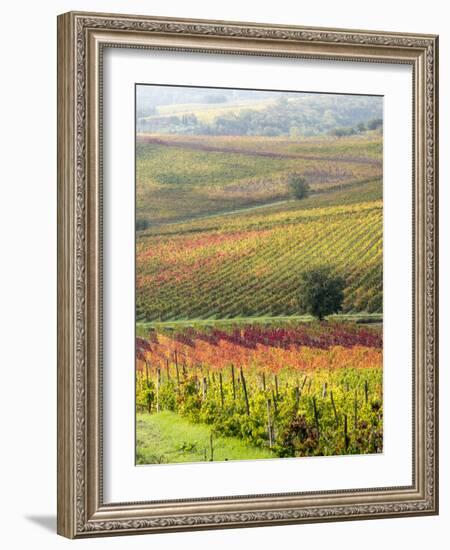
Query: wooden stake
point(234, 382)
point(316, 416)
point(366, 391)
point(211, 446)
point(158, 382)
point(346, 438)
point(244, 387)
point(221, 388)
point(275, 404)
point(356, 409)
point(297, 399)
point(334, 408)
point(304, 382)
point(269, 424)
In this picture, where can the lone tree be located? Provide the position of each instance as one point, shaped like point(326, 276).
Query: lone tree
point(321, 292)
point(298, 186)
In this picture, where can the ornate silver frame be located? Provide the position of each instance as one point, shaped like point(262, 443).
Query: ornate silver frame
point(81, 38)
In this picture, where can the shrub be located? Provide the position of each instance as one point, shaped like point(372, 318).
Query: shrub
point(298, 186)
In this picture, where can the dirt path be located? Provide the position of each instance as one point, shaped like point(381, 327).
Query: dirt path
point(216, 149)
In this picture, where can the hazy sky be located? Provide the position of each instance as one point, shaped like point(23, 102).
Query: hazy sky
point(154, 95)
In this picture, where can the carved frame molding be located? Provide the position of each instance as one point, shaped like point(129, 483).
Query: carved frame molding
point(81, 38)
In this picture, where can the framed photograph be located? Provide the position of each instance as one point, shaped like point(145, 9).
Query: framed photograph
point(247, 276)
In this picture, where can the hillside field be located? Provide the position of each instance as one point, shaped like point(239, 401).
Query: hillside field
point(251, 266)
point(253, 392)
point(228, 365)
point(182, 177)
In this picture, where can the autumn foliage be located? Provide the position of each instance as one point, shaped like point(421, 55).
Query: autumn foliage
point(263, 384)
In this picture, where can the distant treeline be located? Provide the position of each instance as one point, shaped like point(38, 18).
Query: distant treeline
point(312, 115)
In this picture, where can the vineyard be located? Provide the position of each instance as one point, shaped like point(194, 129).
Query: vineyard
point(365, 149)
point(180, 177)
point(290, 390)
point(258, 307)
point(250, 266)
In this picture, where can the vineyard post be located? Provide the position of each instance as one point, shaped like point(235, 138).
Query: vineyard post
point(168, 369)
point(276, 386)
point(346, 438)
point(334, 408)
point(356, 409)
point(149, 403)
point(221, 388)
point(275, 404)
point(158, 381)
point(234, 382)
point(304, 382)
point(366, 390)
point(297, 399)
point(324, 390)
point(244, 387)
point(269, 425)
point(204, 388)
point(177, 369)
point(264, 380)
point(146, 371)
point(316, 416)
point(211, 446)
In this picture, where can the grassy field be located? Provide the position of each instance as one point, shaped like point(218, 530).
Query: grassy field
point(362, 147)
point(207, 112)
point(166, 437)
point(178, 177)
point(347, 195)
